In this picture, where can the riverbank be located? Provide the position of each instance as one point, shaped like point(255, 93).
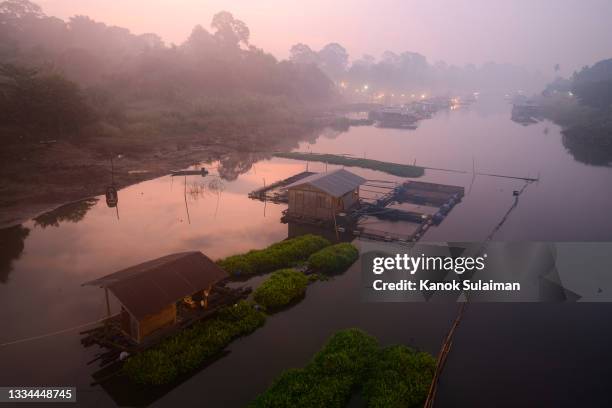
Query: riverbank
point(40, 176)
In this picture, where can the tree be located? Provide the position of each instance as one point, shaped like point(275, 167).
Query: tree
point(333, 60)
point(13, 10)
point(303, 54)
point(229, 31)
point(47, 102)
point(593, 85)
point(199, 41)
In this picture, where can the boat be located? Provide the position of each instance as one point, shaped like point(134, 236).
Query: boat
point(202, 172)
point(395, 117)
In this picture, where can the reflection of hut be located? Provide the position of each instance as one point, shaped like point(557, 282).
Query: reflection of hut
point(149, 292)
point(324, 195)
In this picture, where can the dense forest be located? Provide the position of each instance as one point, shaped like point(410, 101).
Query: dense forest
point(59, 76)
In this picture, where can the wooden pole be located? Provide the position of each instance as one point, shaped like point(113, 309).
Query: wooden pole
point(108, 310)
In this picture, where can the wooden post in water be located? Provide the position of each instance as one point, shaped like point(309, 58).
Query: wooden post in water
point(108, 311)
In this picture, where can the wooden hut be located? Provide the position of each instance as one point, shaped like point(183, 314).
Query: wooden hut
point(323, 195)
point(149, 292)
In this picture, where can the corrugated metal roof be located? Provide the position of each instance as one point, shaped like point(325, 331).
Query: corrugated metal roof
point(335, 183)
point(147, 288)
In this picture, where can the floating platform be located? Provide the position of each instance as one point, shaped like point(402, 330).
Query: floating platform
point(114, 341)
point(275, 192)
point(408, 209)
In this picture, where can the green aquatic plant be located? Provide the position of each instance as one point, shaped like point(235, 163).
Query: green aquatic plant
point(190, 348)
point(333, 259)
point(329, 379)
point(280, 255)
point(281, 288)
point(352, 361)
point(400, 377)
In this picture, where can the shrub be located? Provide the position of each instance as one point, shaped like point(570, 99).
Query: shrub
point(187, 350)
point(329, 379)
point(333, 259)
point(283, 254)
point(400, 378)
point(281, 288)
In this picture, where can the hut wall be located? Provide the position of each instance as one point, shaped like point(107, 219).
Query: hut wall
point(349, 200)
point(311, 202)
point(157, 321)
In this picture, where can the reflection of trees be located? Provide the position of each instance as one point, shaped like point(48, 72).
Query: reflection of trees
point(587, 151)
point(236, 163)
point(332, 133)
point(11, 246)
point(73, 212)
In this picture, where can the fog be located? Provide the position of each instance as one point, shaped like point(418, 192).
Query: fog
point(534, 34)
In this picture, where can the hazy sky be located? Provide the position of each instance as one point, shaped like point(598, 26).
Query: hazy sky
point(533, 33)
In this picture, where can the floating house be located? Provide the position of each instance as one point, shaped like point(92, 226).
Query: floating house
point(322, 196)
point(149, 292)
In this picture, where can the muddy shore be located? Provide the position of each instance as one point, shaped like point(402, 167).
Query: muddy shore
point(55, 175)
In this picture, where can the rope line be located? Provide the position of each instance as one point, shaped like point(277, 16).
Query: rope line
point(42, 336)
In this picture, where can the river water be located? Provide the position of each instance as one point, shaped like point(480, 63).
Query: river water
point(503, 354)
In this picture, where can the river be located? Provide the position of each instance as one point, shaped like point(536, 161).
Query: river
point(503, 354)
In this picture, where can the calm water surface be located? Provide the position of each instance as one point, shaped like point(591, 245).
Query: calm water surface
point(503, 355)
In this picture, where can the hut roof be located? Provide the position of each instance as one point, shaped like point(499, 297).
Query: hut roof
point(335, 183)
point(147, 288)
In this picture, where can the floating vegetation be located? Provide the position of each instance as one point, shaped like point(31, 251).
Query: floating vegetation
point(400, 377)
point(402, 170)
point(329, 379)
point(190, 348)
point(281, 288)
point(333, 259)
point(281, 255)
point(353, 361)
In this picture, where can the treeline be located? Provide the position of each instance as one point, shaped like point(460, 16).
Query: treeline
point(582, 105)
point(61, 75)
point(411, 72)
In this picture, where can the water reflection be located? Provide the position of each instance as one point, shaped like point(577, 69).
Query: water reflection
point(73, 212)
point(594, 154)
point(11, 246)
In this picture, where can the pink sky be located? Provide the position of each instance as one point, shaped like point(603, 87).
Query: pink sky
point(534, 33)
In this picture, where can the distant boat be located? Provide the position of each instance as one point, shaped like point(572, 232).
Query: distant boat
point(395, 117)
point(202, 172)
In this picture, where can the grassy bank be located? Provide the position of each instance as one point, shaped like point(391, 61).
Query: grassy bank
point(189, 349)
point(402, 170)
point(350, 362)
point(281, 255)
